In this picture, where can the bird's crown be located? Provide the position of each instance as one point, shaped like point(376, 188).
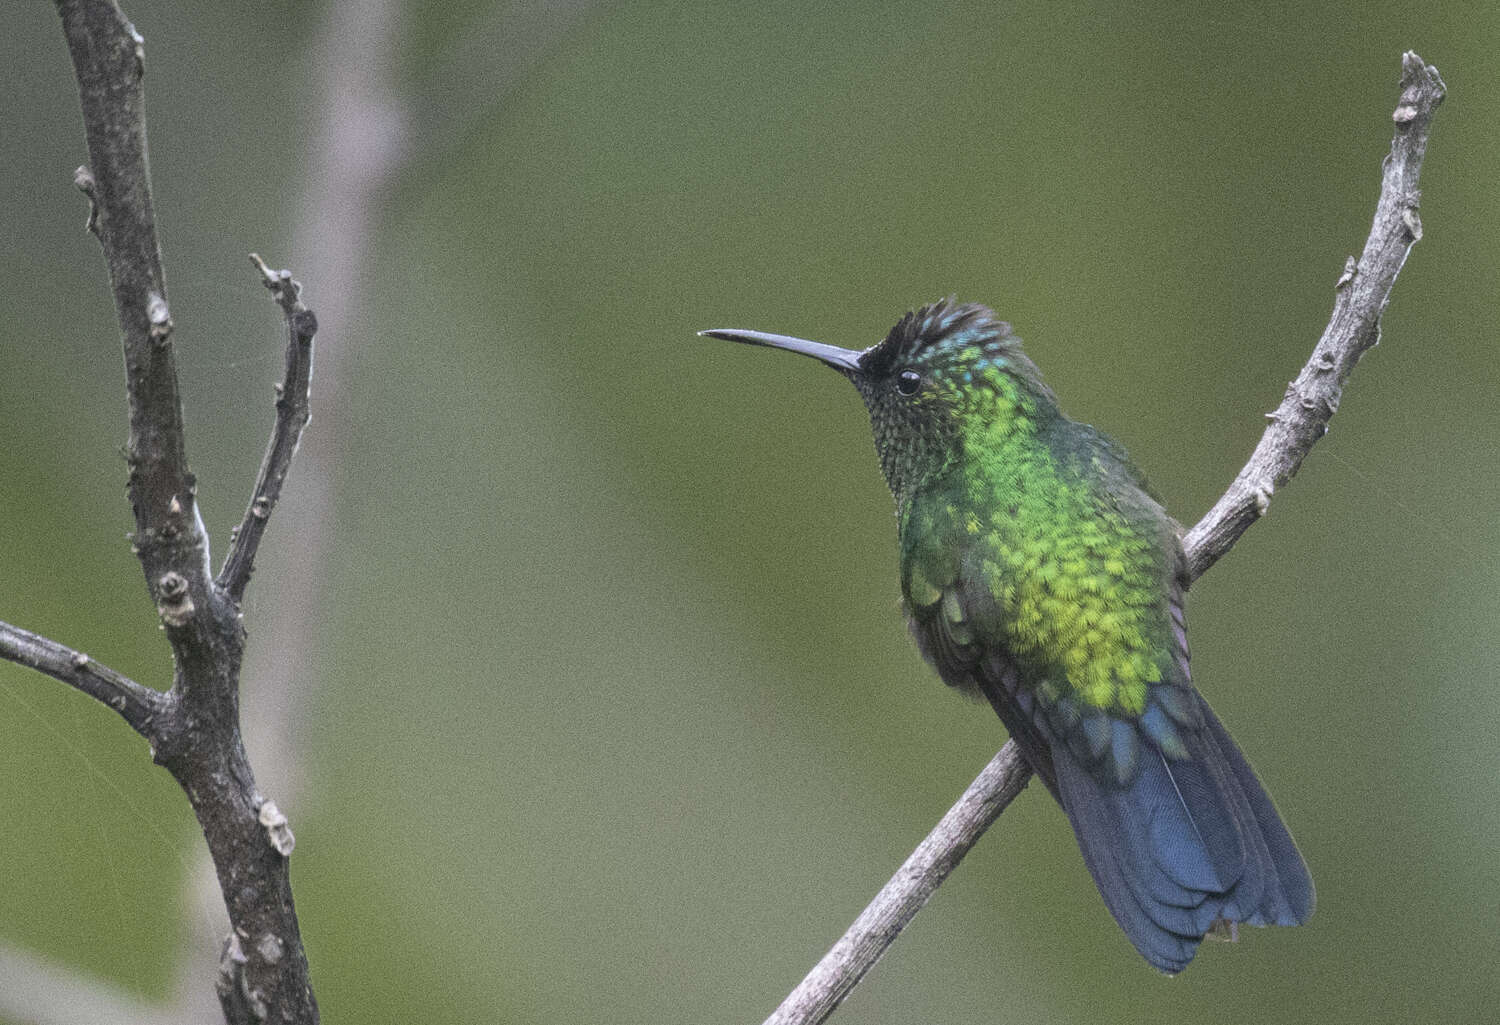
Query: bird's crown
point(928, 334)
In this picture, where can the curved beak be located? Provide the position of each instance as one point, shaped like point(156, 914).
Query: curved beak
point(846, 360)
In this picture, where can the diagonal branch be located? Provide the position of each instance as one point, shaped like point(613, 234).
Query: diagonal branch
point(908, 890)
point(292, 415)
point(1361, 296)
point(139, 706)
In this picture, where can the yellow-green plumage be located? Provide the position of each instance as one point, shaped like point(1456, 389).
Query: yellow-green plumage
point(1077, 585)
point(1038, 569)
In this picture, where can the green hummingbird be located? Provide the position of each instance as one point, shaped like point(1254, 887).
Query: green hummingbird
point(1039, 570)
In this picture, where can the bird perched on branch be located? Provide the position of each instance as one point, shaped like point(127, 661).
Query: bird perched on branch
point(1039, 570)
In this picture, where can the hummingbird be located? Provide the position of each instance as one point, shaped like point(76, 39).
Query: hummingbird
point(1041, 572)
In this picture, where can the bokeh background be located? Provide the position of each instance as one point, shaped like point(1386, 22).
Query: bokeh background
point(576, 658)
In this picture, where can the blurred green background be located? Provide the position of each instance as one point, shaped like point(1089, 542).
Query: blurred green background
point(576, 651)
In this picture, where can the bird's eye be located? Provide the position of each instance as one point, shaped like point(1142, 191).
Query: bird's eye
point(908, 382)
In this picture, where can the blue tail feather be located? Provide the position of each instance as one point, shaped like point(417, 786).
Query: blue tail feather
point(1290, 895)
point(1185, 843)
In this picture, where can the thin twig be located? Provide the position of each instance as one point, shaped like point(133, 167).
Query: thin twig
point(139, 706)
point(292, 415)
point(357, 150)
point(1361, 296)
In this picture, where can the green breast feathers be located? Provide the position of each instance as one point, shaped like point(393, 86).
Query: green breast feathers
point(1065, 566)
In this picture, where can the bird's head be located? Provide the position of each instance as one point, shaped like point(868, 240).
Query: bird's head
point(946, 374)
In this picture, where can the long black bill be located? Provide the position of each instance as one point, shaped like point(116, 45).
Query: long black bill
point(846, 360)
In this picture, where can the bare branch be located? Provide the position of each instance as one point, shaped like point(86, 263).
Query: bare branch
point(1361, 297)
point(907, 892)
point(139, 706)
point(292, 415)
point(196, 731)
point(109, 60)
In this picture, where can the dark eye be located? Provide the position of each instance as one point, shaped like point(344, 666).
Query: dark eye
point(908, 382)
